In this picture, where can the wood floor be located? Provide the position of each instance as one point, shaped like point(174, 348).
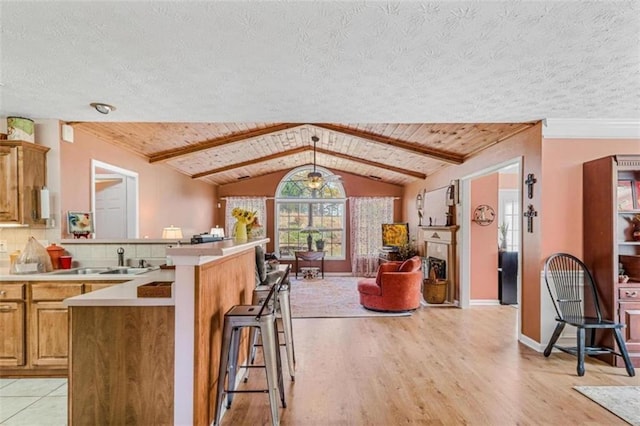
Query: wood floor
point(438, 367)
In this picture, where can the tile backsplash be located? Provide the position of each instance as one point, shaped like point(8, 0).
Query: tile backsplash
point(86, 252)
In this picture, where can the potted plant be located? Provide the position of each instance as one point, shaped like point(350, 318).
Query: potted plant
point(504, 228)
point(407, 251)
point(320, 244)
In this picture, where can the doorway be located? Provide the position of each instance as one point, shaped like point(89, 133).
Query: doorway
point(482, 278)
point(114, 201)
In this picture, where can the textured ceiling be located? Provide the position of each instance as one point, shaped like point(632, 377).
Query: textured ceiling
point(314, 61)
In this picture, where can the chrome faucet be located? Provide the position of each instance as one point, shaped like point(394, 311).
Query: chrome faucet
point(143, 264)
point(120, 252)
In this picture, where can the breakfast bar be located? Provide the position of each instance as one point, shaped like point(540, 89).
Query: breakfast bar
point(154, 360)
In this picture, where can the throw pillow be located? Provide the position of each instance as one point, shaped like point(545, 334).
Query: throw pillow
point(410, 265)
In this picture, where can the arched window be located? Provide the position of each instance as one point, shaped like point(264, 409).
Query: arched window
point(302, 212)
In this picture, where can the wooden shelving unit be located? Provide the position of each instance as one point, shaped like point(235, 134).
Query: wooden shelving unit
point(607, 234)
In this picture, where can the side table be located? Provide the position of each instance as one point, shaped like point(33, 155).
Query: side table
point(309, 256)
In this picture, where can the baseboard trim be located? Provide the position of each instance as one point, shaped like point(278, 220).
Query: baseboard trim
point(484, 302)
point(528, 341)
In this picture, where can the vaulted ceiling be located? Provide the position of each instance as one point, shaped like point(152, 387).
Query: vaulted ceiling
point(224, 153)
point(211, 88)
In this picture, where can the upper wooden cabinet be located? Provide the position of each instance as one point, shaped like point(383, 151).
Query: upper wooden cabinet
point(23, 172)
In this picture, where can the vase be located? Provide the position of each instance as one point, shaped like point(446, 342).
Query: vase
point(240, 231)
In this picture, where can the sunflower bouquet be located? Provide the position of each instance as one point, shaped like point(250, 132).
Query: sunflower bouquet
point(245, 220)
point(243, 216)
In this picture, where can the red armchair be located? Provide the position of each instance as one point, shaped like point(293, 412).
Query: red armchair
point(396, 287)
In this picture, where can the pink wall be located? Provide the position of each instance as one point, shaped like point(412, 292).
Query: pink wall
point(562, 187)
point(166, 197)
point(354, 186)
point(528, 146)
point(484, 245)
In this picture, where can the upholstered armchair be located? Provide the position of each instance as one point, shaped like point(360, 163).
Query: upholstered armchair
point(396, 288)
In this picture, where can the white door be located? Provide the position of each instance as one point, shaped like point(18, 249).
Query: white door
point(111, 207)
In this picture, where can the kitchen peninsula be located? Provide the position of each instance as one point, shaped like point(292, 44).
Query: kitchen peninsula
point(155, 360)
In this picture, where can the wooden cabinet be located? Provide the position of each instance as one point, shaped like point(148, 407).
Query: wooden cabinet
point(607, 234)
point(35, 325)
point(49, 323)
point(12, 324)
point(23, 172)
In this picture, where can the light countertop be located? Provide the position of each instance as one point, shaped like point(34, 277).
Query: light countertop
point(125, 294)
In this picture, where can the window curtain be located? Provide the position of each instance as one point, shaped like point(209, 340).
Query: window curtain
point(253, 204)
point(367, 216)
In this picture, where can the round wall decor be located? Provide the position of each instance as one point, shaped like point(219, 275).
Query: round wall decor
point(484, 215)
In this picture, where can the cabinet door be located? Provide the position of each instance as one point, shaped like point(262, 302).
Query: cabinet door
point(9, 205)
point(49, 323)
point(49, 333)
point(12, 344)
point(630, 316)
point(34, 169)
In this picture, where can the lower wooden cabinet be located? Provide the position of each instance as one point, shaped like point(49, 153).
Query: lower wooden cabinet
point(12, 344)
point(12, 324)
point(630, 317)
point(35, 325)
point(49, 323)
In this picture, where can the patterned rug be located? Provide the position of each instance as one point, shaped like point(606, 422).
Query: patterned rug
point(623, 401)
point(331, 297)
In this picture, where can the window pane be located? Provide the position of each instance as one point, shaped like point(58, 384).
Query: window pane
point(311, 208)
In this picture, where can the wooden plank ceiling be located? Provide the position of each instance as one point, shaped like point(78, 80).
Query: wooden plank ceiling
point(221, 153)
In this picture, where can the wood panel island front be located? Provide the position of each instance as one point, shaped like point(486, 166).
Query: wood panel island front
point(155, 360)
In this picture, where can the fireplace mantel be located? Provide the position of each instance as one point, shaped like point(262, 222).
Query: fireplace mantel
point(440, 242)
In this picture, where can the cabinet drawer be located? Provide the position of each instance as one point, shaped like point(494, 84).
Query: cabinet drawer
point(12, 291)
point(54, 291)
point(629, 293)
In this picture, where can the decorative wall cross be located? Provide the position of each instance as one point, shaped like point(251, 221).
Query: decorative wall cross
point(530, 214)
point(530, 181)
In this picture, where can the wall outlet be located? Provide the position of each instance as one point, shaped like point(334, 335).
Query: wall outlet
point(3, 246)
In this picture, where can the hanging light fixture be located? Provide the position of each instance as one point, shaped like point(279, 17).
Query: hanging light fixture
point(314, 179)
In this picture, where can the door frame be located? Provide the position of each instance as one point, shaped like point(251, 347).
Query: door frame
point(464, 220)
point(131, 179)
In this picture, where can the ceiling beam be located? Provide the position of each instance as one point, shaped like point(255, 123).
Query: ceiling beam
point(446, 157)
point(309, 148)
point(217, 142)
point(373, 163)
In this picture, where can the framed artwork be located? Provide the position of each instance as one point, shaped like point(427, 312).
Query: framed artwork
point(80, 222)
point(626, 195)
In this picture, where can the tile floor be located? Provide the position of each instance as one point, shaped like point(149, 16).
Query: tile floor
point(33, 402)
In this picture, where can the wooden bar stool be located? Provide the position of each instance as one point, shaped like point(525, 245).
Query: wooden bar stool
point(283, 311)
point(263, 318)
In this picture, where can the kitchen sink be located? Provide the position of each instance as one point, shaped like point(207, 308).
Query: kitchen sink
point(80, 271)
point(87, 271)
point(126, 271)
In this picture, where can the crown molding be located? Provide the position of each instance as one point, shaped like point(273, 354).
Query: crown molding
point(560, 128)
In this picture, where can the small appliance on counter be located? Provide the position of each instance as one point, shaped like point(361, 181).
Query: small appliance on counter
point(205, 238)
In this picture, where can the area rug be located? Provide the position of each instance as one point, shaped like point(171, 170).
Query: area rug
point(623, 401)
point(331, 297)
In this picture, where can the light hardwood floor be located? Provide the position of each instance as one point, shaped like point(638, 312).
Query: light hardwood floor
point(438, 367)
